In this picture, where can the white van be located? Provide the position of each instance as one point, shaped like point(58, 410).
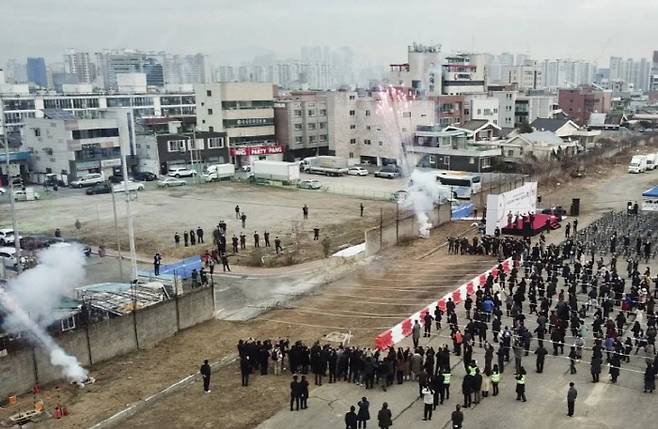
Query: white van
point(638, 164)
point(652, 159)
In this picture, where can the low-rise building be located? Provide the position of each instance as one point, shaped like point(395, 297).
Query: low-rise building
point(464, 74)
point(581, 102)
point(71, 147)
point(301, 124)
point(245, 111)
point(527, 108)
point(449, 110)
point(437, 148)
point(372, 127)
point(535, 147)
point(478, 130)
point(564, 128)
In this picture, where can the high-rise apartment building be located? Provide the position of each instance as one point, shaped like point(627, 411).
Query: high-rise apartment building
point(78, 63)
point(36, 71)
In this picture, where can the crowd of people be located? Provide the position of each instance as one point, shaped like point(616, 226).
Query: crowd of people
point(569, 301)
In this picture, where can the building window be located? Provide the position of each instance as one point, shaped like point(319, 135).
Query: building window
point(510, 153)
point(351, 154)
point(352, 112)
point(367, 141)
point(298, 113)
point(208, 93)
point(176, 145)
point(322, 125)
point(37, 132)
point(479, 111)
point(406, 114)
point(446, 160)
point(486, 162)
point(311, 112)
point(352, 97)
point(323, 137)
point(298, 127)
point(68, 324)
point(215, 143)
point(381, 143)
point(367, 112)
point(352, 126)
point(195, 144)
point(311, 139)
point(95, 133)
point(323, 112)
point(471, 160)
point(210, 111)
point(368, 127)
point(298, 140)
point(211, 129)
point(311, 126)
point(352, 141)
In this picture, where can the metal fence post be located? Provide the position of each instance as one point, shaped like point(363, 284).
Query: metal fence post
point(381, 228)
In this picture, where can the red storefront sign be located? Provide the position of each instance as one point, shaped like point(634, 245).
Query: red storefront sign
point(256, 150)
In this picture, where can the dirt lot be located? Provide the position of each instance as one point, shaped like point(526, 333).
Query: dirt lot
point(159, 214)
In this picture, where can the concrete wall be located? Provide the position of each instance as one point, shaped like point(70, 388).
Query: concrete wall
point(405, 228)
point(22, 368)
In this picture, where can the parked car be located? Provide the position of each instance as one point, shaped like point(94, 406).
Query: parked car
point(357, 171)
point(99, 188)
point(132, 186)
point(179, 172)
point(145, 176)
point(3, 191)
point(36, 242)
point(171, 181)
point(8, 257)
point(7, 236)
point(388, 172)
point(309, 184)
point(24, 195)
point(88, 180)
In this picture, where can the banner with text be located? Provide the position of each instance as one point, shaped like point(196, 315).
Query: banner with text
point(522, 200)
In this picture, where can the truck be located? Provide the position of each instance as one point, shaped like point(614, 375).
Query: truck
point(327, 165)
point(638, 164)
point(218, 172)
point(281, 171)
point(652, 160)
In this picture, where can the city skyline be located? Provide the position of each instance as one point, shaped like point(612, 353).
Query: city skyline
point(231, 32)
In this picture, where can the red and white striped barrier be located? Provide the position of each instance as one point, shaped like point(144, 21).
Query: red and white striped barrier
point(403, 329)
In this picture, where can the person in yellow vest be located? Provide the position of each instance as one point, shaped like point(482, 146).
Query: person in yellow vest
point(520, 385)
point(495, 379)
point(445, 392)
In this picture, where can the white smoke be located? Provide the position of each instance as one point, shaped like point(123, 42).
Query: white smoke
point(423, 193)
point(30, 301)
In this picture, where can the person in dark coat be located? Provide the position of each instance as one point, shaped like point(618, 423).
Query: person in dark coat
point(199, 234)
point(192, 238)
point(467, 389)
point(295, 393)
point(541, 353)
point(649, 379)
point(595, 368)
point(304, 392)
point(385, 417)
point(245, 370)
point(177, 239)
point(351, 419)
point(186, 238)
point(205, 374)
point(364, 412)
point(457, 418)
point(157, 260)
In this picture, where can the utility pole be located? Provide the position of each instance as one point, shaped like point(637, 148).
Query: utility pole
point(17, 241)
point(131, 232)
point(116, 231)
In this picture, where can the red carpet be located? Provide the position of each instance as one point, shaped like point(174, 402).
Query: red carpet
point(538, 225)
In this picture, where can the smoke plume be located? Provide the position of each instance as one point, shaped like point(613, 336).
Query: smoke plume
point(423, 193)
point(30, 301)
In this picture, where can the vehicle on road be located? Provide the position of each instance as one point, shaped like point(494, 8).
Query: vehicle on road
point(132, 186)
point(8, 257)
point(168, 182)
point(463, 184)
point(99, 188)
point(638, 164)
point(652, 159)
point(390, 171)
point(179, 172)
point(310, 184)
point(116, 178)
point(357, 171)
point(7, 236)
point(89, 180)
point(218, 172)
point(326, 165)
point(145, 176)
point(27, 194)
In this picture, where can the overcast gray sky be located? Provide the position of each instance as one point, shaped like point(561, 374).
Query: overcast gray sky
point(378, 29)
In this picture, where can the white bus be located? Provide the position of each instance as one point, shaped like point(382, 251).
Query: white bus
point(463, 184)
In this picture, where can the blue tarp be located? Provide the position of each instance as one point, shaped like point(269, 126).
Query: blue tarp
point(651, 193)
point(182, 268)
point(463, 211)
